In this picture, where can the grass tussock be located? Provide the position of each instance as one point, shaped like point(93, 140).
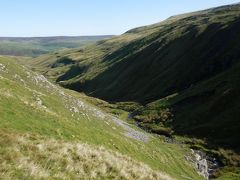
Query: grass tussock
point(33, 157)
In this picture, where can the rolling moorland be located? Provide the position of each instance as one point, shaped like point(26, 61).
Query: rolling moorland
point(35, 46)
point(178, 78)
point(158, 102)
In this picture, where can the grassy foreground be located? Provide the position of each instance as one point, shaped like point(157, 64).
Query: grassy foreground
point(33, 157)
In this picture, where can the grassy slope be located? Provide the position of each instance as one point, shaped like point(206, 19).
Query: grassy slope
point(43, 45)
point(37, 111)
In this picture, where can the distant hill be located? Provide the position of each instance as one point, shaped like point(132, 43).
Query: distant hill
point(184, 72)
point(34, 46)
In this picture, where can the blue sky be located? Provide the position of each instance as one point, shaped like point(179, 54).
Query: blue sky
point(89, 17)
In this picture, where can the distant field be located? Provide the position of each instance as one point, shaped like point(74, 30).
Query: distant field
point(35, 46)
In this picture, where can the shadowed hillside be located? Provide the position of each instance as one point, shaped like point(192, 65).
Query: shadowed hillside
point(170, 56)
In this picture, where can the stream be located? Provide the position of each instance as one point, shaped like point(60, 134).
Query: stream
point(205, 164)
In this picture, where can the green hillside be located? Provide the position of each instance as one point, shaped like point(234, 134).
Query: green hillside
point(183, 73)
point(50, 132)
point(36, 46)
point(157, 54)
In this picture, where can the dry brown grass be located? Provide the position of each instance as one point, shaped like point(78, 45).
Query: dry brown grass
point(32, 157)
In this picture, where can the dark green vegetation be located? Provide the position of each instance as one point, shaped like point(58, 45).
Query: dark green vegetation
point(184, 72)
point(42, 45)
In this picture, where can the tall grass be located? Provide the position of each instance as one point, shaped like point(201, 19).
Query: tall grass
point(27, 156)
